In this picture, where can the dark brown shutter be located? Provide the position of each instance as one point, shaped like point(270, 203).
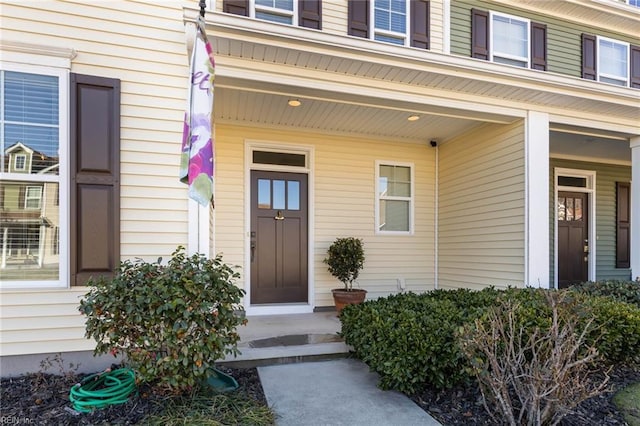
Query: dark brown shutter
point(359, 18)
point(635, 66)
point(623, 225)
point(589, 58)
point(420, 24)
point(95, 177)
point(538, 46)
point(310, 12)
point(236, 7)
point(480, 34)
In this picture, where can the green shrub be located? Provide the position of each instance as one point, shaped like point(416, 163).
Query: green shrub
point(409, 339)
point(624, 291)
point(172, 322)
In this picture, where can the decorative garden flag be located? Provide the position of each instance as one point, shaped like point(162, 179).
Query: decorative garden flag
point(196, 160)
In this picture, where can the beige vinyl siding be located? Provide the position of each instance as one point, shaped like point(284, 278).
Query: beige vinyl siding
point(606, 177)
point(563, 36)
point(142, 43)
point(481, 208)
point(436, 26)
point(343, 205)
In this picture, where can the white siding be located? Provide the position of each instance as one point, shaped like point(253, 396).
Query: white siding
point(481, 208)
point(142, 44)
point(343, 205)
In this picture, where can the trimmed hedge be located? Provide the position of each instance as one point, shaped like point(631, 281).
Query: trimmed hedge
point(623, 291)
point(411, 340)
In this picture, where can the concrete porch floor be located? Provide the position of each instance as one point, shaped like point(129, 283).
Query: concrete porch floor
point(282, 339)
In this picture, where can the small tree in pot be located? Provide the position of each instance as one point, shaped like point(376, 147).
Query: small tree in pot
point(345, 259)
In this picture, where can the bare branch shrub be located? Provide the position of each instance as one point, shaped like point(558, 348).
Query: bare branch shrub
point(533, 375)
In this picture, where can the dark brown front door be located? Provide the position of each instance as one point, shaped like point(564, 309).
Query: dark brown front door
point(573, 238)
point(278, 237)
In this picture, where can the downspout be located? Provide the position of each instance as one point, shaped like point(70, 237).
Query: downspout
point(435, 233)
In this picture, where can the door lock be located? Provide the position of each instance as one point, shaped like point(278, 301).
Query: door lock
point(279, 215)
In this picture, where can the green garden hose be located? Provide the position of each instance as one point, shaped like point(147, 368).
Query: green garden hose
point(103, 389)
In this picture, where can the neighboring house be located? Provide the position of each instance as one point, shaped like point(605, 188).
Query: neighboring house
point(468, 143)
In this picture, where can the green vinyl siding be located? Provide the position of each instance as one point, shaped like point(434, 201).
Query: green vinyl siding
point(563, 37)
point(606, 177)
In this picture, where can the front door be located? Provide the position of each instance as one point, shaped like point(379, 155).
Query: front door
point(278, 239)
point(573, 238)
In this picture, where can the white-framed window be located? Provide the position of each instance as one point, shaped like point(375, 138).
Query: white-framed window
point(34, 104)
point(613, 61)
point(394, 197)
point(20, 162)
point(281, 11)
point(33, 198)
point(510, 39)
point(390, 21)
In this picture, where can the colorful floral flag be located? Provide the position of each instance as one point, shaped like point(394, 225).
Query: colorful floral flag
point(196, 159)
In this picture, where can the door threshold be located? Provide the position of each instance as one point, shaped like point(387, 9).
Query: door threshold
point(279, 309)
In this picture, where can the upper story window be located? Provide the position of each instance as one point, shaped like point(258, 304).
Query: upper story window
point(394, 198)
point(610, 61)
point(282, 11)
point(510, 40)
point(391, 21)
point(33, 197)
point(303, 13)
point(20, 162)
point(613, 61)
point(402, 22)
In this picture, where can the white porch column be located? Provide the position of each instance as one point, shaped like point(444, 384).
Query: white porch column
point(635, 207)
point(537, 199)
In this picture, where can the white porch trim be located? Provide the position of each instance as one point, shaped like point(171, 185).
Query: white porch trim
point(537, 199)
point(635, 207)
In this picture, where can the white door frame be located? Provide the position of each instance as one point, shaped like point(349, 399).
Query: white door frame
point(308, 151)
point(590, 176)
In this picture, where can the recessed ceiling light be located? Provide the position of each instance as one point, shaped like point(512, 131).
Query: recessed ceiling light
point(413, 117)
point(294, 102)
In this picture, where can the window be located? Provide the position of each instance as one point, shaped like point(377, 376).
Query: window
point(31, 100)
point(510, 40)
point(33, 197)
point(20, 162)
point(635, 3)
point(305, 13)
point(394, 198)
point(613, 61)
point(390, 19)
point(610, 61)
point(401, 22)
point(281, 11)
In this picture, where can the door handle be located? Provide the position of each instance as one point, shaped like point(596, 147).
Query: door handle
point(253, 250)
point(279, 215)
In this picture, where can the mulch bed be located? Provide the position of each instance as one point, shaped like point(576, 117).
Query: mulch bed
point(43, 399)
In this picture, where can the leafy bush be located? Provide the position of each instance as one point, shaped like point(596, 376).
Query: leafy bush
point(409, 339)
point(172, 322)
point(624, 291)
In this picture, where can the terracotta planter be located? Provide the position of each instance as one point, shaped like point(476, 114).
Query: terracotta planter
point(342, 297)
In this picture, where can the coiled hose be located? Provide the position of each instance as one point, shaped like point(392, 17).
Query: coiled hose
point(103, 389)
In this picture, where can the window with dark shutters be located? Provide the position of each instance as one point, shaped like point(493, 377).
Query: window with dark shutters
point(623, 225)
point(635, 66)
point(358, 17)
point(538, 46)
point(95, 176)
point(310, 14)
point(480, 34)
point(420, 24)
point(589, 57)
point(236, 7)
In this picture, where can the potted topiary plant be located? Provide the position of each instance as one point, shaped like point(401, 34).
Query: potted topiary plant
point(345, 259)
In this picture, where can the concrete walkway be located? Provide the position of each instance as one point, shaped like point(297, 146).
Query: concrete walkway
point(333, 393)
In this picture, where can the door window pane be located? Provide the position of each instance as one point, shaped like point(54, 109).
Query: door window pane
point(264, 193)
point(293, 195)
point(562, 209)
point(569, 209)
point(279, 195)
point(577, 209)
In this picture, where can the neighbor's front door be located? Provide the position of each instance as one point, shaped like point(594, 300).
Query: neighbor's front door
point(573, 238)
point(278, 239)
